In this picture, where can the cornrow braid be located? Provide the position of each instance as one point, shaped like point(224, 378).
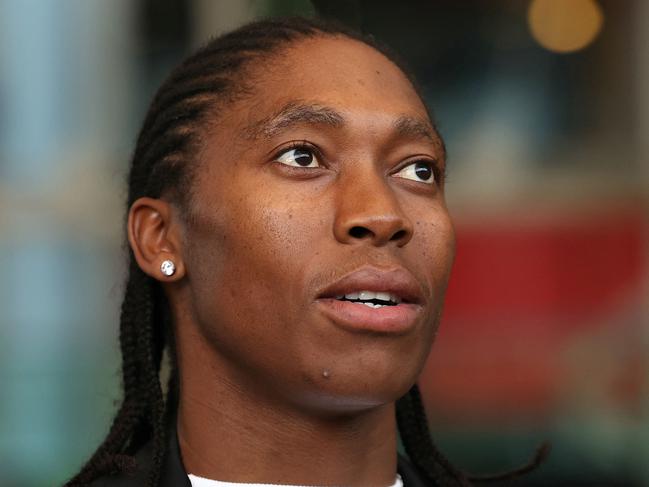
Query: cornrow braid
point(163, 162)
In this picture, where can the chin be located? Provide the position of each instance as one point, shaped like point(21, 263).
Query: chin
point(329, 404)
point(338, 391)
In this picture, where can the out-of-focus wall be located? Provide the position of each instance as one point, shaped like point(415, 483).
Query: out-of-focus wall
point(67, 85)
point(545, 330)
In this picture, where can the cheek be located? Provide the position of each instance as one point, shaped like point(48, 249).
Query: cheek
point(250, 258)
point(434, 245)
point(273, 238)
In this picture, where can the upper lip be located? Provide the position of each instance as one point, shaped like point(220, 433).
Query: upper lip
point(396, 281)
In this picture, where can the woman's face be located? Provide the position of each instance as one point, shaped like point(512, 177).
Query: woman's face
point(328, 169)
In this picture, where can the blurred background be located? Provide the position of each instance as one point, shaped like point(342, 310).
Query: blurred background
point(544, 106)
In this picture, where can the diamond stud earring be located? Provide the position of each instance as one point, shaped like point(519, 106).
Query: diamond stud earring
point(168, 268)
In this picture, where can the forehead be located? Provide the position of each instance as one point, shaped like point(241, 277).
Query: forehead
point(339, 72)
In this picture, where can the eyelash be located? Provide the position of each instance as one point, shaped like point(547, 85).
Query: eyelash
point(304, 145)
point(298, 144)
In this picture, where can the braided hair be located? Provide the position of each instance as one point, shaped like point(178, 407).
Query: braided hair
point(162, 162)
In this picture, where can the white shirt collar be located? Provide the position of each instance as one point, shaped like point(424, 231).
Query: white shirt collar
point(203, 482)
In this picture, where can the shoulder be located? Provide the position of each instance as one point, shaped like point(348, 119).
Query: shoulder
point(136, 477)
point(173, 472)
point(121, 480)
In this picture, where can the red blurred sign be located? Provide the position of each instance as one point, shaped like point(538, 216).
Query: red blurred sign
point(519, 294)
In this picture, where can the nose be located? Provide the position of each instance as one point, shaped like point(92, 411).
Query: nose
point(367, 209)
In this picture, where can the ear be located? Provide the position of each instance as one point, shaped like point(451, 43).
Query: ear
point(154, 236)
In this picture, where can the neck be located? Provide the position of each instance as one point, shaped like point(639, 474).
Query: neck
point(227, 433)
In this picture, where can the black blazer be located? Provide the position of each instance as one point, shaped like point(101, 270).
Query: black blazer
point(173, 472)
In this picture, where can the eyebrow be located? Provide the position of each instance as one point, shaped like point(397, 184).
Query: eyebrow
point(295, 113)
point(299, 112)
point(413, 127)
point(408, 126)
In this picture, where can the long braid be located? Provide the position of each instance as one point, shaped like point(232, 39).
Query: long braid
point(151, 383)
point(163, 162)
point(111, 455)
point(413, 428)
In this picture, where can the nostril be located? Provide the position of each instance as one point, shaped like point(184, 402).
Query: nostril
point(359, 232)
point(399, 235)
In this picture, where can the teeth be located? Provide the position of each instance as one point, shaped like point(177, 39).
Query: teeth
point(367, 295)
point(384, 296)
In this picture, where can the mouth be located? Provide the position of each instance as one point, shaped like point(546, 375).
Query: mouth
point(373, 300)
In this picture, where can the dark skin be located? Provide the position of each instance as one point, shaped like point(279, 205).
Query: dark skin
point(271, 390)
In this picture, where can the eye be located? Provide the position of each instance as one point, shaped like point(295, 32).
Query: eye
point(421, 171)
point(298, 157)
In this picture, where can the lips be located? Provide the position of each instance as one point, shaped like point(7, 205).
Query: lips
point(397, 281)
point(355, 316)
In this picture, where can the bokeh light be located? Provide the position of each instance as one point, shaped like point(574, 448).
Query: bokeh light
point(565, 25)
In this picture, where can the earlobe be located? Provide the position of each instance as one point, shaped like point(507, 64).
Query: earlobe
point(153, 234)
